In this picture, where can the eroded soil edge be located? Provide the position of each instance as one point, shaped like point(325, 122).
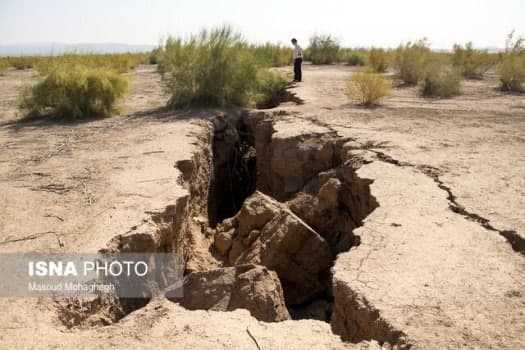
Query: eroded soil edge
point(267, 212)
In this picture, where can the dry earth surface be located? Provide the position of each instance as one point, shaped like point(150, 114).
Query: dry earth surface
point(400, 226)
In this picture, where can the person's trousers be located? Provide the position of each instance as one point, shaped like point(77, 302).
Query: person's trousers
point(297, 71)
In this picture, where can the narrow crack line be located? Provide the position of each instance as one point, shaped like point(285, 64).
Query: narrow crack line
point(516, 241)
point(253, 338)
point(375, 248)
point(27, 238)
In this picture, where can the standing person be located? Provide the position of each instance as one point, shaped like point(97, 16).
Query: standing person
point(297, 61)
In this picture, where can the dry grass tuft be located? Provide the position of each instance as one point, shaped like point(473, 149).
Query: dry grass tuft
point(74, 91)
point(367, 88)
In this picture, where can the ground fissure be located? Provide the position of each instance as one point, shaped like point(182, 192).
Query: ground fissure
point(300, 211)
point(515, 240)
point(267, 213)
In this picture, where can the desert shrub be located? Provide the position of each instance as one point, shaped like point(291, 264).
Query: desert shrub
point(378, 60)
point(352, 57)
point(22, 62)
point(511, 73)
point(367, 88)
point(218, 68)
point(323, 49)
point(439, 80)
point(306, 54)
point(272, 55)
point(343, 54)
point(75, 91)
point(214, 68)
point(3, 65)
point(409, 60)
point(154, 55)
point(511, 69)
point(356, 59)
point(121, 63)
point(470, 62)
point(271, 88)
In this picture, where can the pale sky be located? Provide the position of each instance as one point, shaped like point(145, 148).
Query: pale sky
point(356, 23)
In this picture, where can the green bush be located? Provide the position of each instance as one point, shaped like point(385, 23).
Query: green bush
point(74, 91)
point(3, 65)
point(356, 58)
point(272, 55)
point(409, 61)
point(352, 57)
point(511, 70)
point(439, 80)
point(323, 49)
point(470, 62)
point(214, 68)
point(22, 62)
point(154, 55)
point(511, 73)
point(122, 62)
point(271, 88)
point(378, 60)
point(367, 88)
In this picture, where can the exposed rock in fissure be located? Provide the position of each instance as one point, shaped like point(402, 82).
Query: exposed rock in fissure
point(266, 214)
point(308, 203)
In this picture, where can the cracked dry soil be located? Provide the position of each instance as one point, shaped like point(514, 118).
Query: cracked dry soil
point(267, 214)
point(268, 252)
point(333, 231)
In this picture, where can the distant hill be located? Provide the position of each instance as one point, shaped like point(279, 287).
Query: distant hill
point(59, 48)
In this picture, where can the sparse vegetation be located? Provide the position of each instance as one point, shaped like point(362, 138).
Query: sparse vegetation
point(22, 62)
point(409, 61)
point(44, 64)
point(377, 60)
point(74, 91)
point(214, 68)
point(272, 55)
point(512, 73)
point(271, 89)
point(439, 80)
point(353, 57)
point(367, 88)
point(3, 66)
point(471, 63)
point(154, 55)
point(356, 59)
point(323, 49)
point(120, 62)
point(511, 70)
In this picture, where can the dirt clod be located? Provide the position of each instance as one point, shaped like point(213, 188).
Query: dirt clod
point(250, 287)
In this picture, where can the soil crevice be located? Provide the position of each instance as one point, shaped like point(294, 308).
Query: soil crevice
point(516, 241)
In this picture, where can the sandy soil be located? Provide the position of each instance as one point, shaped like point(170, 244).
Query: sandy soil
point(476, 140)
point(444, 279)
point(436, 277)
